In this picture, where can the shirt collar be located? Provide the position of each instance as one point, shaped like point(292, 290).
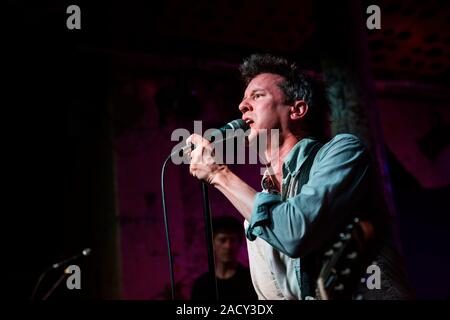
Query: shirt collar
point(297, 156)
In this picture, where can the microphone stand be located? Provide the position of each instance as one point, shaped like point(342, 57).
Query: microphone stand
point(234, 125)
point(57, 283)
point(209, 238)
point(41, 277)
point(36, 286)
point(56, 266)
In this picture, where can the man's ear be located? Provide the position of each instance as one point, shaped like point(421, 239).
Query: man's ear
point(298, 110)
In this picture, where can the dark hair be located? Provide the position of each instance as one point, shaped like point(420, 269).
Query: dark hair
point(297, 85)
point(228, 224)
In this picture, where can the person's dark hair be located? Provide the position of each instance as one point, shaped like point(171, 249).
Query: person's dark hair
point(228, 224)
point(297, 85)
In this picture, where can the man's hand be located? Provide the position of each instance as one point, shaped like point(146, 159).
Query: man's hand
point(203, 165)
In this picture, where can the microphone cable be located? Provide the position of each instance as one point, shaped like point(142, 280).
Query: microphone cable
point(166, 222)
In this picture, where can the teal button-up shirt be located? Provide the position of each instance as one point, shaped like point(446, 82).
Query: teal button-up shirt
point(298, 222)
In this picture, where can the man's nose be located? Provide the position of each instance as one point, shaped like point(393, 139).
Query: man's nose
point(244, 106)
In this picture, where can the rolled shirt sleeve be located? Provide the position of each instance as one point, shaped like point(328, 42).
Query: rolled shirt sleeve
point(304, 222)
point(261, 213)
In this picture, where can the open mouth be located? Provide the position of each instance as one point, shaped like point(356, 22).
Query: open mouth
point(249, 122)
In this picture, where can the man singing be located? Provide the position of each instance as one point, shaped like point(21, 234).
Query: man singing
point(313, 189)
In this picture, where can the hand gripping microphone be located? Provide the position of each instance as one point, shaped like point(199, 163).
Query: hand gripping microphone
point(232, 126)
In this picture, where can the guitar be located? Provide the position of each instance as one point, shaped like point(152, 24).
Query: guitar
point(344, 262)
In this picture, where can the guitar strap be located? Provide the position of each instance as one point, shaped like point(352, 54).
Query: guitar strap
point(308, 266)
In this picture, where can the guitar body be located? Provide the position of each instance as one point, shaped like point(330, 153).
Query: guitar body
point(344, 263)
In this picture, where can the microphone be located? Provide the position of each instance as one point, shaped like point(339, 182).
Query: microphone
point(83, 253)
point(221, 132)
point(234, 125)
point(57, 265)
point(181, 151)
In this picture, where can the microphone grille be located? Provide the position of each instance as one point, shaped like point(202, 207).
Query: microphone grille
point(238, 124)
